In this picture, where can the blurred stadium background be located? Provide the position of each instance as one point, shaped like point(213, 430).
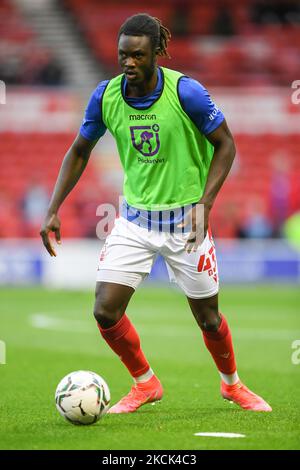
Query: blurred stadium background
point(52, 55)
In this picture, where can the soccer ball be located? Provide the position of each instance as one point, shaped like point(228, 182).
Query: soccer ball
point(82, 397)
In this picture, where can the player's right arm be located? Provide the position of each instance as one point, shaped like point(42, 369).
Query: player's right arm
point(71, 169)
point(74, 163)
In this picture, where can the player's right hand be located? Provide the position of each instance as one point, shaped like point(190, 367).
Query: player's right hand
point(50, 224)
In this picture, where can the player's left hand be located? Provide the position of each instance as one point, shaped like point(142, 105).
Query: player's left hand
point(198, 219)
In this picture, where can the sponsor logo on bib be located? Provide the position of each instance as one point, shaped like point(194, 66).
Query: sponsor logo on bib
point(145, 139)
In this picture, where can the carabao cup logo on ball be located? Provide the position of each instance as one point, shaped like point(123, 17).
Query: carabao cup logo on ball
point(146, 139)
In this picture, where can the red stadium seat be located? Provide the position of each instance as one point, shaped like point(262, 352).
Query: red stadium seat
point(234, 64)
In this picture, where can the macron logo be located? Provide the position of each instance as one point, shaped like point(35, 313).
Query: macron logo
point(213, 114)
point(141, 117)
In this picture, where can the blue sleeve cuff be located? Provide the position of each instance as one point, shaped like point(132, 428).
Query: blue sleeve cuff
point(87, 135)
point(215, 123)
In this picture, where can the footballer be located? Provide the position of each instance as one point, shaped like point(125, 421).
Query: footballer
point(176, 150)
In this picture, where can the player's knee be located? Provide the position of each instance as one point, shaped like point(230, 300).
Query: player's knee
point(209, 319)
point(106, 312)
point(111, 302)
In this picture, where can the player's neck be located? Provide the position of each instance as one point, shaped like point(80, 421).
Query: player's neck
point(143, 89)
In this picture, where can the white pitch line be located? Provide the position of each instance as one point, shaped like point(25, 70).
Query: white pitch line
point(229, 435)
point(46, 322)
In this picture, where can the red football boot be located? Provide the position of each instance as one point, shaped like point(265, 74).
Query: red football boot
point(139, 395)
point(242, 396)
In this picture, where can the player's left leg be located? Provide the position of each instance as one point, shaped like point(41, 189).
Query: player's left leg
point(218, 340)
point(216, 335)
point(197, 275)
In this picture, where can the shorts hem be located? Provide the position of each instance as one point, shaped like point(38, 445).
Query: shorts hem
point(204, 296)
point(122, 283)
point(130, 271)
point(125, 278)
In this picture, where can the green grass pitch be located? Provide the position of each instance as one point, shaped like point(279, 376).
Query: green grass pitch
point(51, 333)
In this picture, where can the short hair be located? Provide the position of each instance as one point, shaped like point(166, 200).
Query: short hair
point(143, 24)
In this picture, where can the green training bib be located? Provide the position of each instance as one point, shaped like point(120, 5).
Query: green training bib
point(164, 156)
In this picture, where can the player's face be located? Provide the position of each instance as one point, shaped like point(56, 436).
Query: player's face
point(136, 58)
